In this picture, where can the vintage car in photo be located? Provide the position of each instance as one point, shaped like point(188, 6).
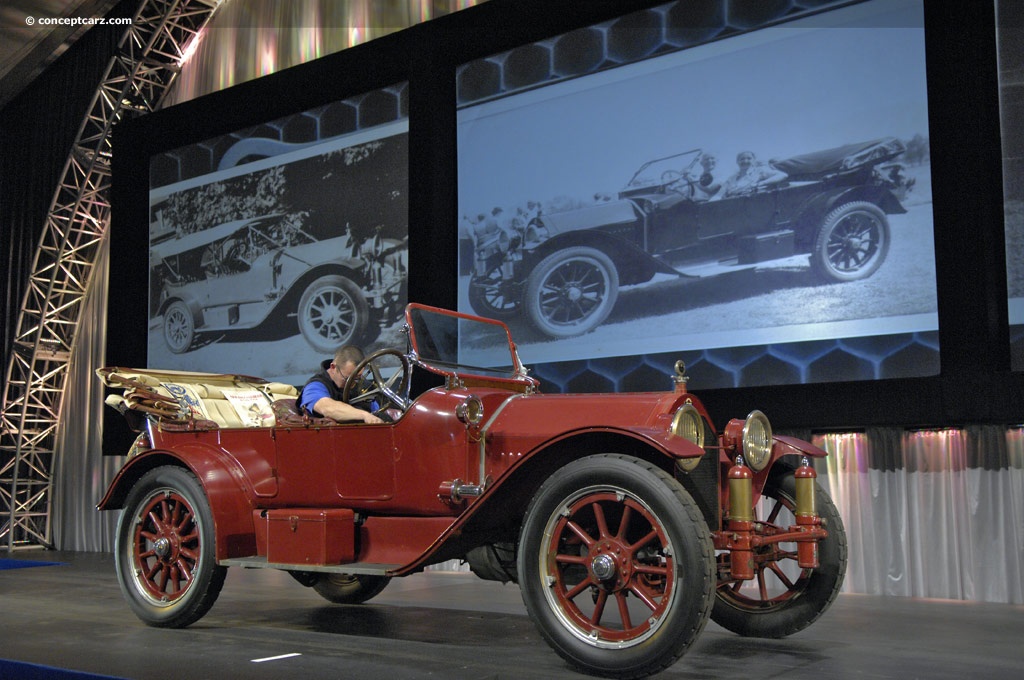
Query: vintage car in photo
point(269, 272)
point(627, 520)
point(563, 270)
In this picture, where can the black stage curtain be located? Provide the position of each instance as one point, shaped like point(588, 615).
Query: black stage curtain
point(37, 129)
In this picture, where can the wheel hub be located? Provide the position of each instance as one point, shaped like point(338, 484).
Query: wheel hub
point(610, 564)
point(162, 547)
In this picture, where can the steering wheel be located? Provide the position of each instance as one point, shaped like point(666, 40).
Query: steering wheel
point(673, 180)
point(366, 384)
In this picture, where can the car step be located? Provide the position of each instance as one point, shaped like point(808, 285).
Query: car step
point(258, 562)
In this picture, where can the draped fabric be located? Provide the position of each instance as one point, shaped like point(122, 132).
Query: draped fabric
point(931, 513)
point(81, 472)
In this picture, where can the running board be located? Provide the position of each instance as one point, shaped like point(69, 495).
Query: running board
point(350, 568)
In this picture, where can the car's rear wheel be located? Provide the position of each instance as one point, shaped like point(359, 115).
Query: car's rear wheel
point(349, 588)
point(571, 291)
point(333, 313)
point(783, 599)
point(179, 327)
point(852, 242)
point(616, 566)
point(165, 555)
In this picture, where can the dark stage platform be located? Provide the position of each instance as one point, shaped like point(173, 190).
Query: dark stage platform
point(449, 625)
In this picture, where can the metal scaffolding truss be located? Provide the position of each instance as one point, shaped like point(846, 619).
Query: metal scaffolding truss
point(147, 61)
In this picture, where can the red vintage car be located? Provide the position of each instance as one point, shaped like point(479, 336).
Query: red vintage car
point(626, 519)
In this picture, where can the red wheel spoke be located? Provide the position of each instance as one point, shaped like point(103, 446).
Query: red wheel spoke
point(774, 514)
point(579, 588)
point(655, 569)
point(562, 558)
point(627, 515)
point(627, 623)
point(602, 600)
point(644, 541)
point(184, 569)
point(579, 531)
point(644, 596)
point(777, 570)
point(155, 521)
point(762, 586)
point(602, 523)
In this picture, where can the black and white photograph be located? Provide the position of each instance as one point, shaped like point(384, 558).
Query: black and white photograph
point(266, 267)
point(770, 188)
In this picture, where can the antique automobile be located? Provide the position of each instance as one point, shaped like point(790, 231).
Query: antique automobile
point(266, 270)
point(627, 520)
point(563, 270)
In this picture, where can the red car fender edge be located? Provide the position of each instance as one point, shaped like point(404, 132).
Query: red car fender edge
point(221, 479)
point(794, 446)
point(660, 441)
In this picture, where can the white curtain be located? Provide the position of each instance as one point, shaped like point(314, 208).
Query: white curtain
point(936, 513)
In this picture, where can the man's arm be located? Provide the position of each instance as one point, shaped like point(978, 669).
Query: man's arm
point(340, 411)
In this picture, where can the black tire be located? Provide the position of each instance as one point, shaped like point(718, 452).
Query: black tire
point(333, 313)
point(179, 327)
point(571, 291)
point(649, 552)
point(852, 242)
point(784, 607)
point(166, 550)
point(350, 588)
point(493, 297)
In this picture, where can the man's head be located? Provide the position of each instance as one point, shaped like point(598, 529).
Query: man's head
point(345, 361)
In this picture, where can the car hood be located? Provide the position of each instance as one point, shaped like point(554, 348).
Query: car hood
point(598, 215)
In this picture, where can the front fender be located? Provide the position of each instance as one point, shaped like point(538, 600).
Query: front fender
point(634, 265)
point(231, 501)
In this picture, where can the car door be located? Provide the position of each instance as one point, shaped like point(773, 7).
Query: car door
point(345, 464)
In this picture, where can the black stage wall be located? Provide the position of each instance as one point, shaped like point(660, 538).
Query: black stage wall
point(975, 384)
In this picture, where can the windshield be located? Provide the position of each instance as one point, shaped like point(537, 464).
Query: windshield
point(654, 172)
point(485, 349)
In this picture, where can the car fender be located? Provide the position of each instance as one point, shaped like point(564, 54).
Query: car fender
point(194, 307)
point(299, 286)
point(633, 264)
point(809, 216)
point(505, 498)
point(223, 481)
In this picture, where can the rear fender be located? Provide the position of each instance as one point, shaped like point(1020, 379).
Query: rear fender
point(231, 501)
point(194, 307)
point(808, 218)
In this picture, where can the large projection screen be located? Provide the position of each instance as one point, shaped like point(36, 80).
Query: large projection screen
point(280, 251)
point(1010, 33)
point(837, 100)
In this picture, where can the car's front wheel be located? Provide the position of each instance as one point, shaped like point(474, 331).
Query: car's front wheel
point(571, 291)
point(333, 313)
point(851, 243)
point(616, 566)
point(165, 554)
point(783, 598)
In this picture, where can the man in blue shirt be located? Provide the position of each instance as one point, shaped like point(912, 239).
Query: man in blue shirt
point(321, 396)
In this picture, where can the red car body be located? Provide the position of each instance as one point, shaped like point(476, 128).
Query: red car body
point(634, 501)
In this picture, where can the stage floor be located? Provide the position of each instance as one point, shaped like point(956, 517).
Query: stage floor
point(453, 625)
